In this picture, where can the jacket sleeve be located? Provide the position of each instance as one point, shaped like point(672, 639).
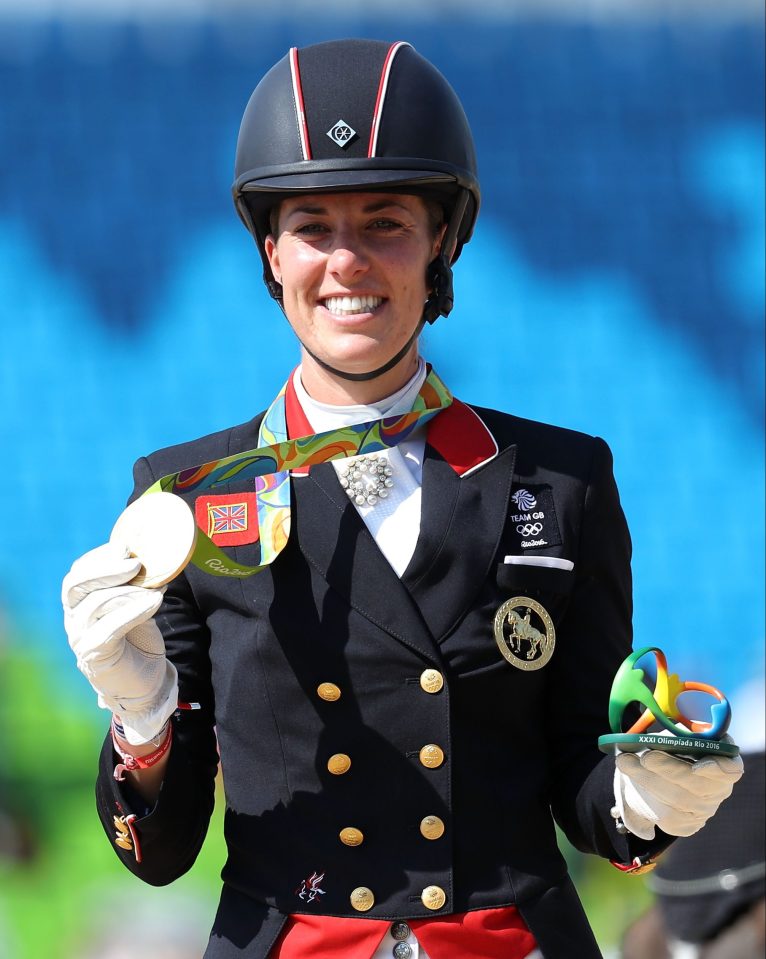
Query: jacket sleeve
point(160, 843)
point(596, 636)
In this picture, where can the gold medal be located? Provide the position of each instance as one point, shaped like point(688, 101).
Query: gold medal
point(159, 530)
point(524, 633)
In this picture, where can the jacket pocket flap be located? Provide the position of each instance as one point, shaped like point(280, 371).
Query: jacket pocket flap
point(520, 577)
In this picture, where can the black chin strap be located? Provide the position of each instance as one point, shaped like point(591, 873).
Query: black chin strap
point(439, 303)
point(358, 377)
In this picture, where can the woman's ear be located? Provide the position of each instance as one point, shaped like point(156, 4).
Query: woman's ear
point(272, 254)
point(438, 240)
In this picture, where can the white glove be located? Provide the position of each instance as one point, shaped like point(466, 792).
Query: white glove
point(655, 788)
point(118, 646)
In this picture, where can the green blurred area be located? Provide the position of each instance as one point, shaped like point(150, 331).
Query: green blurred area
point(64, 894)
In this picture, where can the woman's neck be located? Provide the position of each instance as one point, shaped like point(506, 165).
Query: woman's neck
point(325, 387)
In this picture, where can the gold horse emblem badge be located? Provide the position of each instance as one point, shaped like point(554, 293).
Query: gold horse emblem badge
point(524, 633)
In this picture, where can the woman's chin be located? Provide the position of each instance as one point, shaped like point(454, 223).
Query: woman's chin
point(358, 353)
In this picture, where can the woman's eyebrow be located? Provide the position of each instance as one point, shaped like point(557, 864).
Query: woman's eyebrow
point(378, 205)
point(375, 206)
point(307, 210)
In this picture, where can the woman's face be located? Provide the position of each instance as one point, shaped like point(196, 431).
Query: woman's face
point(353, 273)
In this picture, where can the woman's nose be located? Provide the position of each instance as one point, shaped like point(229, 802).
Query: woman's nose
point(347, 258)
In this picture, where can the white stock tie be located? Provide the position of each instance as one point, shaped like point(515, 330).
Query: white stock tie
point(394, 522)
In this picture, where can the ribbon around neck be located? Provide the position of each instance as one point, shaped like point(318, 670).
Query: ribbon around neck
point(276, 455)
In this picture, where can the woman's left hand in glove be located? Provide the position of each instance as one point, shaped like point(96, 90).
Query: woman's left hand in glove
point(654, 788)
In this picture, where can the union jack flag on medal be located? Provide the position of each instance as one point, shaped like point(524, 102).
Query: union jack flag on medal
point(231, 518)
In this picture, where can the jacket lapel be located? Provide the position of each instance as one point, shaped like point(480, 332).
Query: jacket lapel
point(334, 539)
point(466, 491)
point(462, 521)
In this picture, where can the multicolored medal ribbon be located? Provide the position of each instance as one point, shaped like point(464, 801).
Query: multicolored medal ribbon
point(270, 464)
point(662, 724)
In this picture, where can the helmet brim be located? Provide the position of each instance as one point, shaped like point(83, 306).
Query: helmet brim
point(344, 180)
point(256, 192)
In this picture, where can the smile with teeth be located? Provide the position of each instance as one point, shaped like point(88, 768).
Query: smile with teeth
point(349, 305)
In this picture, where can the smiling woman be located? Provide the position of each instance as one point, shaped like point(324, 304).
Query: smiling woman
point(409, 694)
point(352, 267)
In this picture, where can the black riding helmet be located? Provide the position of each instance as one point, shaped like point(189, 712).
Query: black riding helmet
point(358, 115)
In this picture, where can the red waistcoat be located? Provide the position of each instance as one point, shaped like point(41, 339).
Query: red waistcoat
point(482, 934)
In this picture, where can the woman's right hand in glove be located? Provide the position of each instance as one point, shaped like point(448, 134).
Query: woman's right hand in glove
point(118, 645)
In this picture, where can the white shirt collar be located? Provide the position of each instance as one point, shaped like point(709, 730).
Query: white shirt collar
point(325, 416)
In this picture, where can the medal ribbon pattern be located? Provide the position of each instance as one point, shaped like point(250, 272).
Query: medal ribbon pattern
point(276, 455)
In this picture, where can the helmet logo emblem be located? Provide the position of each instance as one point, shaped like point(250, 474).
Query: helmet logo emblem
point(341, 133)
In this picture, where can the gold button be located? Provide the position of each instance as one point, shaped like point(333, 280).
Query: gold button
point(433, 897)
point(431, 680)
point(431, 756)
point(431, 827)
point(351, 836)
point(123, 843)
point(362, 899)
point(339, 763)
point(328, 691)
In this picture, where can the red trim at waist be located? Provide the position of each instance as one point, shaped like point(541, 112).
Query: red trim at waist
point(482, 934)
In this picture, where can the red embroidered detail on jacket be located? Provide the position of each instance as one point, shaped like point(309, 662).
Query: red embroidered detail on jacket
point(230, 519)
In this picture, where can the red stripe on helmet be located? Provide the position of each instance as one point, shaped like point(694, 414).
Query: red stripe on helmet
point(303, 129)
point(383, 85)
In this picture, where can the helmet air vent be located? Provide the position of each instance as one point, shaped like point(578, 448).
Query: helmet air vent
point(381, 98)
point(300, 109)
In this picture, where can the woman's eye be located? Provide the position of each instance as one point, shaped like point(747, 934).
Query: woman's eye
point(308, 229)
point(386, 225)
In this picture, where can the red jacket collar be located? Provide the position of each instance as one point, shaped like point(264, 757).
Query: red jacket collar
point(458, 434)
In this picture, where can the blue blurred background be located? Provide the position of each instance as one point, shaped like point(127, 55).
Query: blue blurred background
point(615, 284)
